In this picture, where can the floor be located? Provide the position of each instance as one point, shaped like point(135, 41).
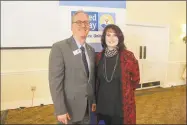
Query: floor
point(154, 106)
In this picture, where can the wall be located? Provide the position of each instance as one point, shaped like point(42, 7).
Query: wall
point(21, 69)
point(172, 13)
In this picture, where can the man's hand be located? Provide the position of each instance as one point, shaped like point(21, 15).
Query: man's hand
point(63, 118)
point(93, 107)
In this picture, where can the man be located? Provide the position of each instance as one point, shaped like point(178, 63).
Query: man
point(71, 74)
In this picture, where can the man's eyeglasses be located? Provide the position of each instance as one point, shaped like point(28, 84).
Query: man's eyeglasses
point(79, 23)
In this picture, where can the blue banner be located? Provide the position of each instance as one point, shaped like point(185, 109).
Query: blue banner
point(99, 20)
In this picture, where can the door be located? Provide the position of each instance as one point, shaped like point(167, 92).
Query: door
point(150, 45)
point(134, 43)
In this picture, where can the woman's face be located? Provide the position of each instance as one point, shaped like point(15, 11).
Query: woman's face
point(111, 38)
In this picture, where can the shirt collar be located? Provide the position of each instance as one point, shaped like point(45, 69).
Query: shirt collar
point(78, 44)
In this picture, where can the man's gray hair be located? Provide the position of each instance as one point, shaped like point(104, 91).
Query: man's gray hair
point(77, 12)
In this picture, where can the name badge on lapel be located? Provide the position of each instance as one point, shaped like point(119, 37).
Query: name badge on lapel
point(75, 52)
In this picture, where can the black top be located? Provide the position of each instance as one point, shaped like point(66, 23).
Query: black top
point(109, 93)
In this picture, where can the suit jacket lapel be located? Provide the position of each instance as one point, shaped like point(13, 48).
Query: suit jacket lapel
point(72, 44)
point(78, 57)
point(91, 56)
point(89, 52)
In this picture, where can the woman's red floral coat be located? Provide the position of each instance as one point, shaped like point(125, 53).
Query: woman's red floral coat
point(130, 77)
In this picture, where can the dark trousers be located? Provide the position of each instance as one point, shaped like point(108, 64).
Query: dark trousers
point(109, 120)
point(86, 119)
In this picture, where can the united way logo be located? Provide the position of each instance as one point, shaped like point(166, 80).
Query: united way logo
point(105, 19)
point(98, 21)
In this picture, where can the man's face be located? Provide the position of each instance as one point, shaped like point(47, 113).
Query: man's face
point(80, 26)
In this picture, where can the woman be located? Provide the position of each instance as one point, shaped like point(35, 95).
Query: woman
point(116, 79)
